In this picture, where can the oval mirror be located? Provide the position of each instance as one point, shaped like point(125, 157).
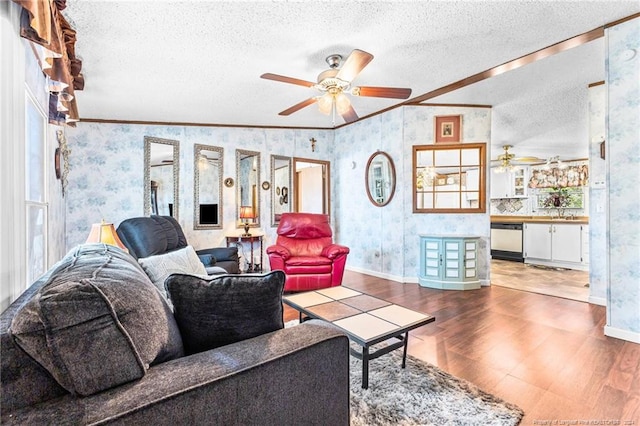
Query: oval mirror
point(280, 187)
point(161, 171)
point(207, 186)
point(248, 183)
point(380, 176)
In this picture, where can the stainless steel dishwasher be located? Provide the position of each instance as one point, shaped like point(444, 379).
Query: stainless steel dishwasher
point(506, 241)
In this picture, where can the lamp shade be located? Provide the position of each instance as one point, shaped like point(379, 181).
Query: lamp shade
point(105, 233)
point(246, 212)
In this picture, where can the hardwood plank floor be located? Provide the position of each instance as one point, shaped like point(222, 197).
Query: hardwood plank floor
point(546, 354)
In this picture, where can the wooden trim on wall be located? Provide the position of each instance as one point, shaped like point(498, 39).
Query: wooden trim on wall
point(189, 124)
point(620, 21)
point(513, 64)
point(456, 105)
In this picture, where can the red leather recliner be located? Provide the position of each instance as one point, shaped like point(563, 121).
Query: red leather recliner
point(304, 250)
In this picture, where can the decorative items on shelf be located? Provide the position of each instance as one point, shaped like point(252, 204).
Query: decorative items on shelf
point(561, 176)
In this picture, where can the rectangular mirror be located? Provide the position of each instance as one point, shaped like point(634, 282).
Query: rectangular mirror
point(161, 174)
point(449, 178)
point(248, 184)
point(280, 187)
point(207, 187)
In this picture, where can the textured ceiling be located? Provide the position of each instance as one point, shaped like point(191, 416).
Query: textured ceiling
point(201, 61)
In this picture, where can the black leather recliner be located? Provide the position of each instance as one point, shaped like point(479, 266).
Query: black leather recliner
point(149, 236)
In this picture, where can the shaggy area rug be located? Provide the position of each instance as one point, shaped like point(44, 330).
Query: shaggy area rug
point(421, 394)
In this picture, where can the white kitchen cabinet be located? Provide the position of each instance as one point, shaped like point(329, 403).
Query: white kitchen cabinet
point(537, 241)
point(511, 184)
point(554, 244)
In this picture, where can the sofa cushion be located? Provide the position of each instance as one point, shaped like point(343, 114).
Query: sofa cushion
point(225, 309)
point(98, 322)
point(182, 261)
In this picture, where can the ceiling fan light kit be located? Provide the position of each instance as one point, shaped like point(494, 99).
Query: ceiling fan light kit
point(335, 82)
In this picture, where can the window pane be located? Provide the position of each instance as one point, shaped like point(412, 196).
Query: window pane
point(447, 157)
point(471, 157)
point(35, 128)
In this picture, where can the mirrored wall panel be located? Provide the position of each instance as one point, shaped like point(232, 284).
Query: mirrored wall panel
point(248, 185)
point(380, 177)
point(449, 178)
point(161, 174)
point(312, 186)
point(207, 186)
point(280, 187)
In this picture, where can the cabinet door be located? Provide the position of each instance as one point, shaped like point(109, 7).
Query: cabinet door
point(519, 182)
point(500, 185)
point(452, 259)
point(567, 243)
point(537, 240)
point(431, 258)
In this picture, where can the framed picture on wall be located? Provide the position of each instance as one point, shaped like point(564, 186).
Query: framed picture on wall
point(448, 128)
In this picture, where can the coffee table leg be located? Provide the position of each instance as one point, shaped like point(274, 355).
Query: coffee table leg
point(365, 368)
point(404, 355)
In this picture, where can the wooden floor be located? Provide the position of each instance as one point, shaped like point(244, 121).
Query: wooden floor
point(559, 282)
point(546, 354)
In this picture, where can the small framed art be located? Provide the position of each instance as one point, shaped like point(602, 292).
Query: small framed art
point(448, 128)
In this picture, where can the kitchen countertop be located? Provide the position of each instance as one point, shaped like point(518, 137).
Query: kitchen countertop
point(583, 220)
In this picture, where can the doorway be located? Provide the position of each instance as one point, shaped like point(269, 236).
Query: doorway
point(311, 183)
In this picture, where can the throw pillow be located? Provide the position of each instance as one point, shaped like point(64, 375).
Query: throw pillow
point(98, 322)
point(226, 309)
point(182, 261)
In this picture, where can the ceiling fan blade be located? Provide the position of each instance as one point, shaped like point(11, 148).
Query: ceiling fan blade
point(290, 80)
point(299, 106)
point(382, 92)
point(529, 160)
point(350, 115)
point(357, 60)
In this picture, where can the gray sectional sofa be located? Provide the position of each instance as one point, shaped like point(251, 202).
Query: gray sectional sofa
point(93, 342)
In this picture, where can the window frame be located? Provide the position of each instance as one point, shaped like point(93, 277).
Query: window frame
point(461, 167)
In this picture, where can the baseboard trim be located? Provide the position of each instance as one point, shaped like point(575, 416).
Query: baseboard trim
point(618, 333)
point(597, 300)
point(383, 275)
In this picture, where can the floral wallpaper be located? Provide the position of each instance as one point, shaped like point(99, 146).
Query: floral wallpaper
point(109, 157)
point(384, 240)
point(598, 259)
point(107, 165)
point(623, 163)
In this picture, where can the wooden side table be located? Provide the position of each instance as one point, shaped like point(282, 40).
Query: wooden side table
point(239, 239)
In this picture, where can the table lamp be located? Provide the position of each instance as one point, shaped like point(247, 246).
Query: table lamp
point(105, 233)
point(246, 212)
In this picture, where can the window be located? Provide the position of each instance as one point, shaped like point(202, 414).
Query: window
point(449, 178)
point(35, 195)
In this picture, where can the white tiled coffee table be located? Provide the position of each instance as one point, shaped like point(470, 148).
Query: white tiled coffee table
point(366, 319)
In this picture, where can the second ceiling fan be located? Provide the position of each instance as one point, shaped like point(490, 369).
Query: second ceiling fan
point(335, 82)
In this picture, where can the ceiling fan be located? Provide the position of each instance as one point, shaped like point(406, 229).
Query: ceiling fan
point(335, 82)
point(506, 160)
